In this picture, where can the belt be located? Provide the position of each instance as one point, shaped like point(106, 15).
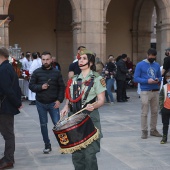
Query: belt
point(154, 90)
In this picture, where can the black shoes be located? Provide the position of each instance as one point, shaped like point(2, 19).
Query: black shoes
point(4, 164)
point(164, 139)
point(125, 100)
point(47, 148)
point(32, 103)
point(120, 101)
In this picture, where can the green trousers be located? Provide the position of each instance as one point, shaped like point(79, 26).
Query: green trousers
point(85, 159)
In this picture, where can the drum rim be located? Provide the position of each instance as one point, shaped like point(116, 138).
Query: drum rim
point(72, 127)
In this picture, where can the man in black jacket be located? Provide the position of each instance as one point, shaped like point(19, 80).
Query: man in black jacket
point(48, 84)
point(10, 101)
point(121, 79)
point(166, 64)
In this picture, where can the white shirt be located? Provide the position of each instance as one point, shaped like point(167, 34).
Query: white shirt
point(35, 64)
point(39, 61)
point(23, 61)
point(28, 64)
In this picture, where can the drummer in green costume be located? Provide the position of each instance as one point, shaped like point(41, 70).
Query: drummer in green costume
point(90, 88)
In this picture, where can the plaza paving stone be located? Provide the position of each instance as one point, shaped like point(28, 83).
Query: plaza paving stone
point(121, 146)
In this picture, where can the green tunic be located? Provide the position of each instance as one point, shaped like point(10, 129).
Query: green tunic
point(97, 87)
point(85, 159)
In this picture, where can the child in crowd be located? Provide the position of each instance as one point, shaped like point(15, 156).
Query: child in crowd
point(164, 103)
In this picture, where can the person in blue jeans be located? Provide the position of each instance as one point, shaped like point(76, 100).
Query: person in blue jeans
point(110, 73)
point(48, 84)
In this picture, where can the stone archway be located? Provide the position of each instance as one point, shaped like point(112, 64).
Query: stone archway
point(4, 39)
point(118, 19)
point(43, 25)
point(141, 31)
point(76, 24)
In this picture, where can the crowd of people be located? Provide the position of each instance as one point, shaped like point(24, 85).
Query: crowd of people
point(90, 84)
point(117, 72)
point(30, 62)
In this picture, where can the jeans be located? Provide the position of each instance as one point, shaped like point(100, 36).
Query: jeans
point(43, 109)
point(149, 98)
point(109, 85)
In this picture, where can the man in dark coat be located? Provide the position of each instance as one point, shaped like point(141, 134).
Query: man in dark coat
point(48, 84)
point(166, 64)
point(121, 79)
point(10, 101)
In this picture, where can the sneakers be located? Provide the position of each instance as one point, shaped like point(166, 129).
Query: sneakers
point(155, 133)
point(47, 149)
point(144, 134)
point(164, 139)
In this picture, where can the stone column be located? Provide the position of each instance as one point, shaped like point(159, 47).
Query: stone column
point(143, 44)
point(160, 56)
point(6, 33)
point(164, 39)
point(76, 36)
point(92, 27)
point(134, 46)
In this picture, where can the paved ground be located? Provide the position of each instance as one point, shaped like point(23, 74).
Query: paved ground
point(121, 148)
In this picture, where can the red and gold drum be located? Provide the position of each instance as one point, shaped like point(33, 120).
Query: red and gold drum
point(75, 132)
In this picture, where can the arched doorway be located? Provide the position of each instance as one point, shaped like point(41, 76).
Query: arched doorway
point(43, 25)
point(129, 27)
point(118, 32)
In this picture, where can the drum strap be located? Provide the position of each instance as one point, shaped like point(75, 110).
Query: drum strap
point(76, 106)
point(88, 90)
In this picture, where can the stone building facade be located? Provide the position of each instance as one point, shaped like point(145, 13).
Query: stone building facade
point(103, 26)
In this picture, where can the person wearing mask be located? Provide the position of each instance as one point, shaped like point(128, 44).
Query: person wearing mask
point(148, 74)
point(164, 104)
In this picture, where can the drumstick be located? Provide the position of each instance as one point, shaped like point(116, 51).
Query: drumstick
point(74, 114)
point(80, 110)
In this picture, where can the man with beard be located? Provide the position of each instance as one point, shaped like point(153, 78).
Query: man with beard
point(166, 64)
point(48, 84)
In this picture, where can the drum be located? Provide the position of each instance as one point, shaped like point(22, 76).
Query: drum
point(75, 132)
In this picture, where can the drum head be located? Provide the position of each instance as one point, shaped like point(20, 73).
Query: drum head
point(71, 121)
